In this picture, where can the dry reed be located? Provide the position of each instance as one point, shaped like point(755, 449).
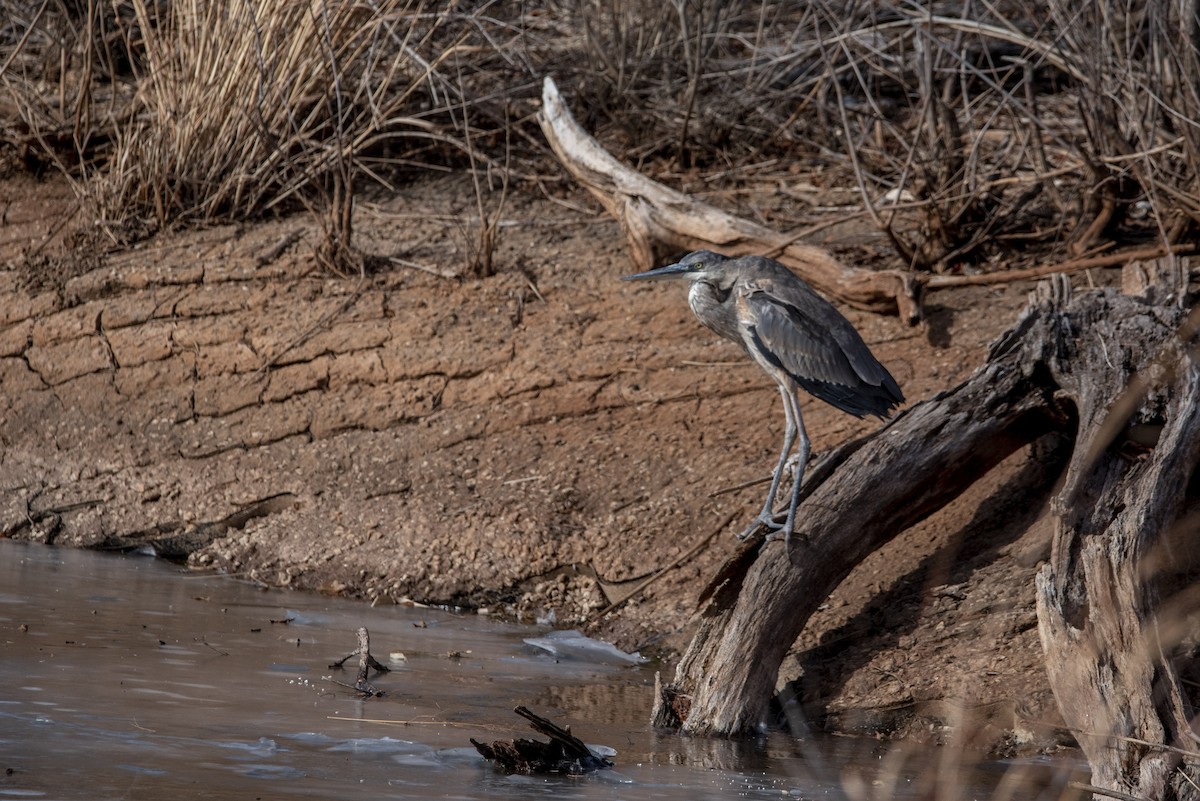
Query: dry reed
point(229, 110)
point(242, 106)
point(973, 132)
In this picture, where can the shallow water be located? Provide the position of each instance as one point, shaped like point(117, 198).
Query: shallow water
point(126, 678)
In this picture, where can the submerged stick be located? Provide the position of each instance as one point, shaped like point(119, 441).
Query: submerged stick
point(565, 753)
point(366, 663)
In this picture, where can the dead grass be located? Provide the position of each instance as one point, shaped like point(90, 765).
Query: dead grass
point(241, 107)
point(225, 111)
point(975, 133)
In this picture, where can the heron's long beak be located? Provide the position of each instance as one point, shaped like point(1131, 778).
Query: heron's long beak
point(670, 271)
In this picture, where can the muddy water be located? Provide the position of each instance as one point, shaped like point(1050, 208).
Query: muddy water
point(123, 678)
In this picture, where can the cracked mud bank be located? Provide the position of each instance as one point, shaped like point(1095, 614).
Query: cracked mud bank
point(541, 440)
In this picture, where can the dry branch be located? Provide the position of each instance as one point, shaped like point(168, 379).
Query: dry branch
point(658, 220)
point(1063, 267)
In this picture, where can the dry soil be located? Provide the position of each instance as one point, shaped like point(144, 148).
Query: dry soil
point(536, 443)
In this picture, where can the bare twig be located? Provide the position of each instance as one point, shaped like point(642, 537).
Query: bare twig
point(1065, 267)
point(641, 587)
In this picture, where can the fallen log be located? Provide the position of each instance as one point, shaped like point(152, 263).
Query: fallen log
point(1113, 662)
point(659, 221)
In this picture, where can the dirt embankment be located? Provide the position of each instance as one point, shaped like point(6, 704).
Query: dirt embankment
point(534, 442)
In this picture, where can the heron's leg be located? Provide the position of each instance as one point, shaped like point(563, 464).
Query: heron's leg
point(802, 454)
point(765, 518)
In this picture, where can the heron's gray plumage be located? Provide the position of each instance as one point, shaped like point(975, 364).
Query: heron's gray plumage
point(794, 334)
point(827, 358)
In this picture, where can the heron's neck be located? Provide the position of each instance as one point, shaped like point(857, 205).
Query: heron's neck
point(713, 306)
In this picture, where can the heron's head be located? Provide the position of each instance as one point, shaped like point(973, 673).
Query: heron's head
point(700, 265)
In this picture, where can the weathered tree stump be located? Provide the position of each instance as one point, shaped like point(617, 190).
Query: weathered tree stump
point(1115, 610)
point(1112, 657)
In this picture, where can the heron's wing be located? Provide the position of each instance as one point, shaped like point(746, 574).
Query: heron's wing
point(808, 338)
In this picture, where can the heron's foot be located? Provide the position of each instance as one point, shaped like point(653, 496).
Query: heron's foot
point(778, 531)
point(763, 521)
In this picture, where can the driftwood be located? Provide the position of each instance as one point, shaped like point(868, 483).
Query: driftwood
point(565, 753)
point(1112, 657)
point(659, 221)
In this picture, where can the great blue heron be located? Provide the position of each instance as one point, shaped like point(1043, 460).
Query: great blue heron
point(796, 336)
